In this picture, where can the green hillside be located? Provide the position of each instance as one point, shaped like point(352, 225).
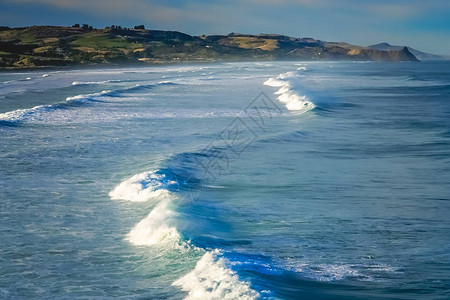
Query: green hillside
point(45, 46)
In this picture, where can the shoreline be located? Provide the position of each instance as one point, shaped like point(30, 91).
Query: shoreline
point(191, 62)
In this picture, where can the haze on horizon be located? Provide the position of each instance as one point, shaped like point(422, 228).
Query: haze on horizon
point(423, 25)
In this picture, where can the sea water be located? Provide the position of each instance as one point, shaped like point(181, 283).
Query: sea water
point(277, 180)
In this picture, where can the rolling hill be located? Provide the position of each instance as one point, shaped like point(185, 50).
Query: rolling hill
point(47, 46)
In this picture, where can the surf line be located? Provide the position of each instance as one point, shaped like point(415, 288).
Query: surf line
point(212, 277)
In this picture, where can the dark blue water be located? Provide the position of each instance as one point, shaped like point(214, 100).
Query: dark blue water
point(246, 180)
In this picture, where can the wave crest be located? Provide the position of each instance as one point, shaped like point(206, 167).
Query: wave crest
point(155, 228)
point(19, 115)
point(142, 187)
point(288, 92)
point(212, 278)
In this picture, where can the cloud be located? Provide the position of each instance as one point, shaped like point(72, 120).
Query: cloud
point(161, 10)
point(349, 20)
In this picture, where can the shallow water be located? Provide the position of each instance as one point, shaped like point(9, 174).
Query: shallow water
point(276, 180)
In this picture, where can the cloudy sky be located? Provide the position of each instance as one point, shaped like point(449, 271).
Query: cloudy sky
point(421, 24)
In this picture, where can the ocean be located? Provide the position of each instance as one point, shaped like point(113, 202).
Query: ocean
point(258, 180)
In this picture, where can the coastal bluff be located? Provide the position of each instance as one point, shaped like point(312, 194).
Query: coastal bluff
point(52, 46)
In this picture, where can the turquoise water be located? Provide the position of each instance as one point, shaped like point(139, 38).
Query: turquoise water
point(278, 180)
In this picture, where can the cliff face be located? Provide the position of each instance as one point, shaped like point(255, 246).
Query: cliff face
point(60, 46)
point(380, 55)
point(344, 50)
point(402, 55)
point(418, 54)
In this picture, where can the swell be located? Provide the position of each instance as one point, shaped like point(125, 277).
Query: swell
point(170, 188)
point(98, 82)
point(19, 115)
point(175, 189)
point(176, 185)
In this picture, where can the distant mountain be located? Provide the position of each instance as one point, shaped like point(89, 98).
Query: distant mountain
point(419, 54)
point(45, 46)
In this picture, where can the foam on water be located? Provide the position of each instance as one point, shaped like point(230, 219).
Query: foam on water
point(327, 273)
point(156, 228)
point(289, 92)
point(166, 82)
point(142, 187)
point(95, 82)
point(88, 97)
point(22, 114)
point(212, 278)
point(19, 115)
point(339, 272)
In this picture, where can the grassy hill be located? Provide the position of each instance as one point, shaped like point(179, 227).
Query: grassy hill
point(44, 46)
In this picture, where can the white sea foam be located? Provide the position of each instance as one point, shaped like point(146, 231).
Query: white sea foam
point(141, 187)
point(25, 113)
point(156, 228)
point(87, 97)
point(167, 82)
point(337, 272)
point(289, 93)
point(213, 279)
point(22, 114)
point(95, 82)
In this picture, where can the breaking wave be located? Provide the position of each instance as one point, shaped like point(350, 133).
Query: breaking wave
point(142, 187)
point(288, 84)
point(97, 82)
point(212, 277)
point(157, 227)
point(20, 115)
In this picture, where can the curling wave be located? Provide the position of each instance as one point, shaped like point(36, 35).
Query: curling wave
point(213, 277)
point(289, 92)
point(156, 228)
point(142, 187)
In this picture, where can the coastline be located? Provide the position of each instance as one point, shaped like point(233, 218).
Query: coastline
point(181, 63)
point(38, 47)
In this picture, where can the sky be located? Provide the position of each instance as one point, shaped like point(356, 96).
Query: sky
point(420, 24)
